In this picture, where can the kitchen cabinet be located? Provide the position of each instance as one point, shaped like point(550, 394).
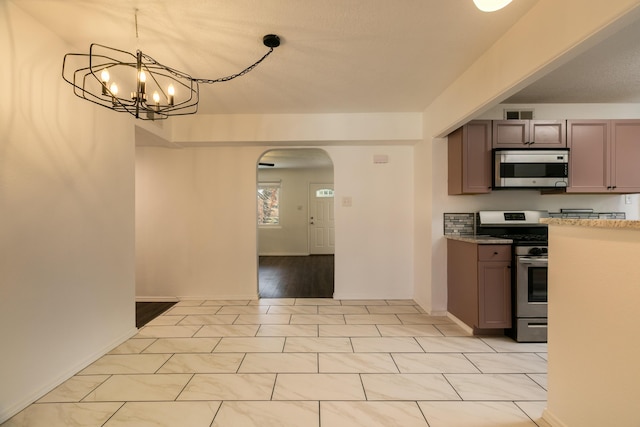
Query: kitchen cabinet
point(603, 156)
point(479, 284)
point(529, 134)
point(469, 158)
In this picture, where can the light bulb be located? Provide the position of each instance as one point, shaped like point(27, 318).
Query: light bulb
point(491, 5)
point(114, 89)
point(105, 75)
point(171, 91)
point(143, 79)
point(156, 97)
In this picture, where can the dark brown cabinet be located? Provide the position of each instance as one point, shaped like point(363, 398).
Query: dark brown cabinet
point(479, 284)
point(604, 156)
point(529, 134)
point(469, 158)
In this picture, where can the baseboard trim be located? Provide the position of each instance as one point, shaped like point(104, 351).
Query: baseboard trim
point(13, 409)
point(218, 297)
point(285, 254)
point(460, 323)
point(551, 419)
point(156, 299)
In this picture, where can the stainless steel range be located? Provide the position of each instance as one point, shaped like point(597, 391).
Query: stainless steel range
point(529, 269)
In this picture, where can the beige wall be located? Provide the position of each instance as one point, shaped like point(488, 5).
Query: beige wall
point(66, 219)
point(196, 233)
point(594, 279)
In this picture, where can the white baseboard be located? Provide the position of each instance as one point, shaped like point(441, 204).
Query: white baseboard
point(13, 408)
point(285, 254)
point(218, 297)
point(437, 313)
point(156, 299)
point(551, 419)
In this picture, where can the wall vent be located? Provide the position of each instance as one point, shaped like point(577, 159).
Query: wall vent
point(518, 114)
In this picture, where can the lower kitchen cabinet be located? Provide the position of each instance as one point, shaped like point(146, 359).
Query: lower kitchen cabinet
point(479, 284)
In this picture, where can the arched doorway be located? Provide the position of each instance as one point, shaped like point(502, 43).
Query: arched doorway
point(295, 224)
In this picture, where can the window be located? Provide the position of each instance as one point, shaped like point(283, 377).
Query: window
point(268, 203)
point(324, 192)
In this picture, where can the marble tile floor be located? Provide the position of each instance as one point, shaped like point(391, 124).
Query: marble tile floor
point(302, 362)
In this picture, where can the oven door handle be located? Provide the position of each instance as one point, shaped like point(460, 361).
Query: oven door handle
point(532, 260)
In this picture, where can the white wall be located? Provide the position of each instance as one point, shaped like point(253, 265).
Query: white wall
point(66, 222)
point(196, 222)
point(374, 237)
point(291, 236)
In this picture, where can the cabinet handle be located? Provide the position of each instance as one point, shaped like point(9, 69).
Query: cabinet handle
point(495, 253)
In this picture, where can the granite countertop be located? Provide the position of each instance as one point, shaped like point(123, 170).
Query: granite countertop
point(479, 239)
point(595, 223)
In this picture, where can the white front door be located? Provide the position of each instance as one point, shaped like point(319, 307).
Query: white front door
point(321, 219)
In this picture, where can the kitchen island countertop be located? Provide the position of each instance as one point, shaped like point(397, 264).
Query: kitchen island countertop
point(595, 223)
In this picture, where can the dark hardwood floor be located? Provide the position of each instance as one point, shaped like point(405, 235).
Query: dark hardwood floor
point(147, 311)
point(296, 276)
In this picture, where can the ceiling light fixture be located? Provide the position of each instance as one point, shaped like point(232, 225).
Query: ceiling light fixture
point(491, 5)
point(138, 84)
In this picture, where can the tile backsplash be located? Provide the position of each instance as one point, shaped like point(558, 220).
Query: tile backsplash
point(459, 223)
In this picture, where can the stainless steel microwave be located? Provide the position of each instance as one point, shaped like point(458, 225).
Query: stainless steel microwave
point(531, 168)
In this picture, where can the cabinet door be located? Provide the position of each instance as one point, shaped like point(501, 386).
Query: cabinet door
point(625, 156)
point(510, 133)
point(494, 294)
point(547, 134)
point(588, 142)
point(476, 160)
point(469, 158)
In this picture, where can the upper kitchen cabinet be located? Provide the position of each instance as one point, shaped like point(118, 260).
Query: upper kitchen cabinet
point(604, 156)
point(469, 158)
point(529, 134)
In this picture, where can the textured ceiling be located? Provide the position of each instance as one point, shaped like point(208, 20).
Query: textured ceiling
point(336, 55)
point(607, 73)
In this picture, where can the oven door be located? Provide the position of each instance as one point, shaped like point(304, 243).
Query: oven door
point(531, 286)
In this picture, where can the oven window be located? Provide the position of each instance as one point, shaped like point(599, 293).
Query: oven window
point(537, 284)
point(533, 170)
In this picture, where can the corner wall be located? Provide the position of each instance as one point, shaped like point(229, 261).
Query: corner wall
point(66, 222)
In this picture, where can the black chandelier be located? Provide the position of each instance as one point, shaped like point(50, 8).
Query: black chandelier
point(155, 91)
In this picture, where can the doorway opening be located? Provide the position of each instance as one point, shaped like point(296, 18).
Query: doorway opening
point(296, 244)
